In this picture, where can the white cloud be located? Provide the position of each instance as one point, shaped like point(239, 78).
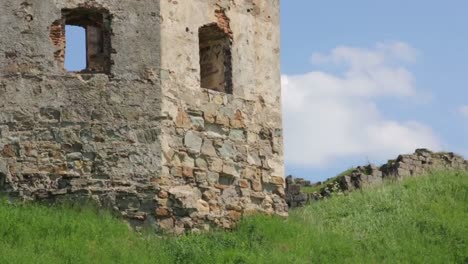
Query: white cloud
point(330, 116)
point(464, 110)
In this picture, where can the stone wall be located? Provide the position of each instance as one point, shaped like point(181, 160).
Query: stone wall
point(422, 161)
point(144, 138)
point(294, 196)
point(225, 149)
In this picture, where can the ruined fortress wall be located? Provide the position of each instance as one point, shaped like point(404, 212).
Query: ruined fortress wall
point(66, 135)
point(223, 149)
point(421, 162)
point(144, 138)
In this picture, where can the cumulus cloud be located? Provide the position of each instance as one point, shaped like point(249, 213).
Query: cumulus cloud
point(464, 110)
point(335, 115)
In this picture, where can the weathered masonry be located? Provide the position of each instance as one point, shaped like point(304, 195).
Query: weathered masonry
point(175, 122)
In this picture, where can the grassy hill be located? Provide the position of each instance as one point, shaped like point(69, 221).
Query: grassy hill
point(419, 220)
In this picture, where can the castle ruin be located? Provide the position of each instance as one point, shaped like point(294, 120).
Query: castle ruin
point(174, 123)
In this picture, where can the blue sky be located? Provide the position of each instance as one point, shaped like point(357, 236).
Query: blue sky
point(75, 53)
point(425, 41)
point(366, 80)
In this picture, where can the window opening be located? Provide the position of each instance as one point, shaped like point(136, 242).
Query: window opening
point(215, 59)
point(75, 51)
point(83, 26)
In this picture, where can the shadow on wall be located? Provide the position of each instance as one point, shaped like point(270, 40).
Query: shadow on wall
point(2, 180)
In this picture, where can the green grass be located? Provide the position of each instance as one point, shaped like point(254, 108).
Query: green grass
point(419, 220)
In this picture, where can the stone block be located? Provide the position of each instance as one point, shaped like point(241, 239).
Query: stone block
point(277, 180)
point(208, 148)
point(193, 141)
point(198, 123)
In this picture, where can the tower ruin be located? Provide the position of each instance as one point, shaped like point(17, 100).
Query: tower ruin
point(175, 122)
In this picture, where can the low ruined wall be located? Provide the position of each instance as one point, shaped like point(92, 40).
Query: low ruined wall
point(422, 161)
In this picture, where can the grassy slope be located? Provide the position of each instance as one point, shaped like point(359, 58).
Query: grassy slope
point(422, 220)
